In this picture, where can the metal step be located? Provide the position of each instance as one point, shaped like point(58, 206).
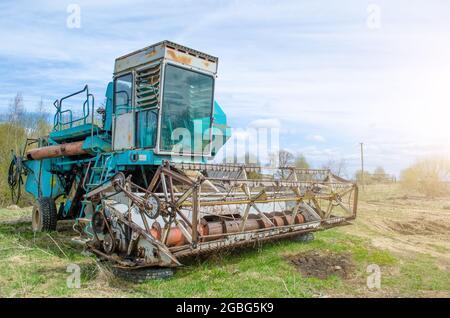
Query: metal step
point(93, 185)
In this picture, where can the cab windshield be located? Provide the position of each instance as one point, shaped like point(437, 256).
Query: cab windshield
point(186, 110)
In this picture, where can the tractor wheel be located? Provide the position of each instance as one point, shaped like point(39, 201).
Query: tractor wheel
point(44, 215)
point(305, 237)
point(143, 274)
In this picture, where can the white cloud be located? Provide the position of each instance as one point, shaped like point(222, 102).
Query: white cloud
point(265, 123)
point(316, 138)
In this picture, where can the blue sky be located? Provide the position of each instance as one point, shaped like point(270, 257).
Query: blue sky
point(318, 70)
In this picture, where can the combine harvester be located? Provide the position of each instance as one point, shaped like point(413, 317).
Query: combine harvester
point(141, 197)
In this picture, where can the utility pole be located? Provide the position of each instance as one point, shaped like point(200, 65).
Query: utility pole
point(362, 164)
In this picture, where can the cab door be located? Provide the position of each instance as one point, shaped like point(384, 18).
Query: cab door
point(123, 124)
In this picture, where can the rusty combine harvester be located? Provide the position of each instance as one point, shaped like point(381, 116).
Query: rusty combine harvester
point(138, 198)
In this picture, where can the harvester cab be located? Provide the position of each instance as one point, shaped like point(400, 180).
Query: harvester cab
point(163, 90)
point(137, 181)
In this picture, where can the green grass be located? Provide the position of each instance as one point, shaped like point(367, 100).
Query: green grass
point(33, 265)
point(10, 214)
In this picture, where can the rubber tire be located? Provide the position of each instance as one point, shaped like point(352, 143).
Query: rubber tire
point(44, 216)
point(144, 274)
point(304, 238)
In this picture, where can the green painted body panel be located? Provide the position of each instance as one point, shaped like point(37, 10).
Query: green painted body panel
point(74, 133)
point(41, 180)
point(96, 144)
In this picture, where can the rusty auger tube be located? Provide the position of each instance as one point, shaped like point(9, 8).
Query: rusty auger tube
point(69, 149)
point(210, 231)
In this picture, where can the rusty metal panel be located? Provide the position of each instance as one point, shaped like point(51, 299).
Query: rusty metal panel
point(138, 58)
point(197, 61)
point(167, 51)
point(125, 138)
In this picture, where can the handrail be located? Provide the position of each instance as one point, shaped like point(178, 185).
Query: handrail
point(92, 121)
point(58, 122)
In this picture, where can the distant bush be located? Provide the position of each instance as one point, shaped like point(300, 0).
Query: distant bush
point(361, 178)
point(429, 176)
point(17, 125)
point(379, 176)
point(12, 138)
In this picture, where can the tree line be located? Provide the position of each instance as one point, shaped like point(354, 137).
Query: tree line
point(16, 125)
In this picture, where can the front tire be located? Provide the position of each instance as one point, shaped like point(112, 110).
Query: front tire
point(44, 215)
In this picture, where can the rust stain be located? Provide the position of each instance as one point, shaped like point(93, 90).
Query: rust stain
point(206, 64)
point(151, 53)
point(179, 58)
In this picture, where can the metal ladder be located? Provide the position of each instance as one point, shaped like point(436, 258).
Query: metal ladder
point(99, 173)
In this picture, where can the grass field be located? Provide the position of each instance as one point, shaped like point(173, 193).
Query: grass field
point(406, 236)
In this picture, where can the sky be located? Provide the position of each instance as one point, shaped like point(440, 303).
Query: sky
point(327, 74)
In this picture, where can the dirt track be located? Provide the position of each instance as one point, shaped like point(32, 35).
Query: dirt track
point(322, 265)
point(403, 223)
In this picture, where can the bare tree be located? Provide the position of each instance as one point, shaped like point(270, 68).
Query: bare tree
point(16, 114)
point(337, 167)
point(16, 109)
point(379, 170)
point(380, 176)
point(38, 125)
point(41, 108)
point(285, 158)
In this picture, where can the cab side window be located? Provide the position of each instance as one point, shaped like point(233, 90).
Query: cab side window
point(123, 92)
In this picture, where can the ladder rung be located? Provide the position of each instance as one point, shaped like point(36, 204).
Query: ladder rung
point(93, 184)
